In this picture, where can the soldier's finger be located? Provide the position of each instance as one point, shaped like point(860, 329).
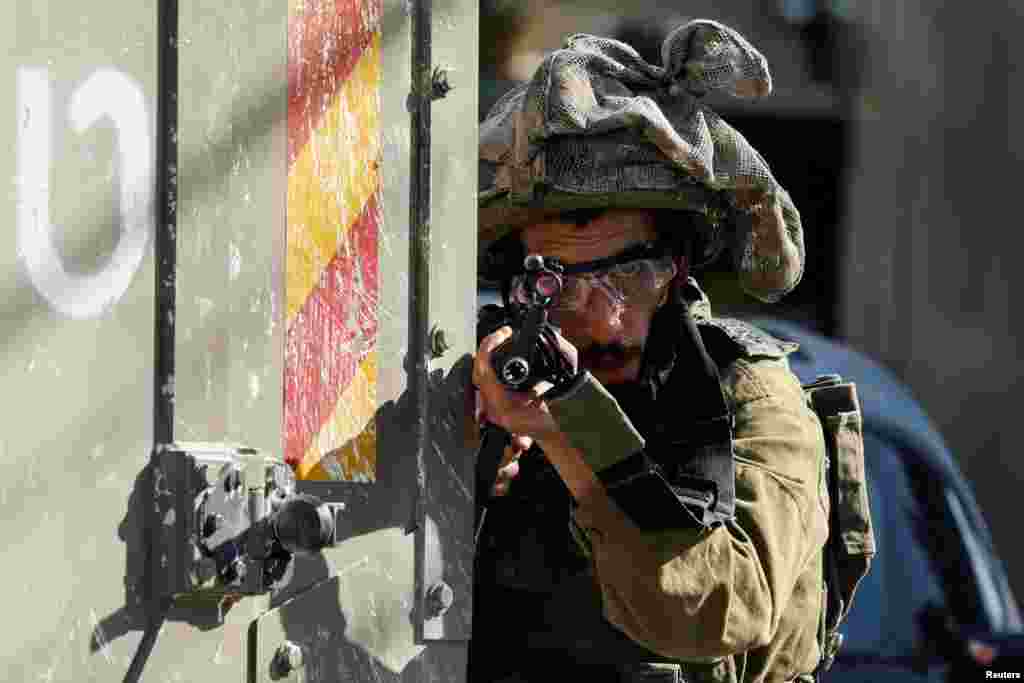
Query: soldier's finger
point(483, 373)
point(521, 443)
point(509, 471)
point(504, 479)
point(509, 455)
point(540, 388)
point(494, 340)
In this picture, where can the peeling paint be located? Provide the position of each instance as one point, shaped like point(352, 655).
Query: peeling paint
point(169, 518)
point(358, 564)
point(234, 262)
point(205, 307)
point(218, 654)
point(332, 260)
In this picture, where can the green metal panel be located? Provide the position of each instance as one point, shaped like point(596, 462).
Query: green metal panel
point(79, 110)
point(352, 626)
point(232, 105)
point(80, 92)
point(448, 518)
point(231, 221)
point(77, 90)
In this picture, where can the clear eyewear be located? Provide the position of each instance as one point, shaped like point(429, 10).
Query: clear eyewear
point(636, 281)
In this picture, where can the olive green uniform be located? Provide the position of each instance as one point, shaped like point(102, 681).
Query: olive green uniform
point(738, 602)
point(753, 586)
point(599, 127)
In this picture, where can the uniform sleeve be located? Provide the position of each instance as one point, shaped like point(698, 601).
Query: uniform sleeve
point(720, 592)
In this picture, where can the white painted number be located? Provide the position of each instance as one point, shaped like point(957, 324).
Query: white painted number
point(106, 93)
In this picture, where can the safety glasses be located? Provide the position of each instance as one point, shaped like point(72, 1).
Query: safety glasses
point(635, 276)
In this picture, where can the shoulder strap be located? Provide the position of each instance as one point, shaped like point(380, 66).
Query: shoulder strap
point(695, 419)
point(688, 453)
point(851, 543)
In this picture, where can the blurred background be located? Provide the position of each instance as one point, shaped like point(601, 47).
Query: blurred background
point(890, 125)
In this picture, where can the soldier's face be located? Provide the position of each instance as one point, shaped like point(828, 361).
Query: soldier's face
point(609, 331)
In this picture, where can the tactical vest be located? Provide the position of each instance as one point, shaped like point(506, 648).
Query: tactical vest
point(524, 555)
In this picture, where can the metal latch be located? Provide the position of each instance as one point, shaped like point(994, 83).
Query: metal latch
point(227, 522)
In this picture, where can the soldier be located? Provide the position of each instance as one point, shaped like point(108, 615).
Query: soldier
point(662, 515)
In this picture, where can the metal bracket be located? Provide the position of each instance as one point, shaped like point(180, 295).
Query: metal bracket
point(227, 521)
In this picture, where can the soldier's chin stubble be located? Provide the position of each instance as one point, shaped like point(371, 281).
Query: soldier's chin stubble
point(611, 363)
point(608, 357)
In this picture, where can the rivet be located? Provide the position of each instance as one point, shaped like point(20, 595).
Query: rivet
point(440, 86)
point(439, 343)
point(438, 599)
point(287, 659)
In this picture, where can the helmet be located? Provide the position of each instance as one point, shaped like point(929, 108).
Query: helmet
point(599, 127)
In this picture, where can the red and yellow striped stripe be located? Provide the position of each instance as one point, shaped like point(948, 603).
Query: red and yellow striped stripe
point(334, 214)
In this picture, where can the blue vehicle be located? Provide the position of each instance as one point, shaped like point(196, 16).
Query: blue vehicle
point(937, 604)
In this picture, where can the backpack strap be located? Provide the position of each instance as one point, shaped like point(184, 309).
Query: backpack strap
point(851, 543)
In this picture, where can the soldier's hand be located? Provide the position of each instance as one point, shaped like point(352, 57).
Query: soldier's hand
point(518, 412)
point(509, 467)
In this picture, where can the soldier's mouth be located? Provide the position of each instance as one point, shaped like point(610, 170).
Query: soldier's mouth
point(605, 362)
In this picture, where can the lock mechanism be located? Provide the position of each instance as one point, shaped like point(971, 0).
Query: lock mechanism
point(228, 521)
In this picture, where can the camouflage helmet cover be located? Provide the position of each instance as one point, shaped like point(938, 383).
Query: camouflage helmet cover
point(598, 126)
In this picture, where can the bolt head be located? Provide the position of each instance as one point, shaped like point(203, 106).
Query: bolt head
point(212, 524)
point(438, 599)
point(232, 481)
point(440, 84)
point(288, 658)
point(439, 343)
point(235, 572)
